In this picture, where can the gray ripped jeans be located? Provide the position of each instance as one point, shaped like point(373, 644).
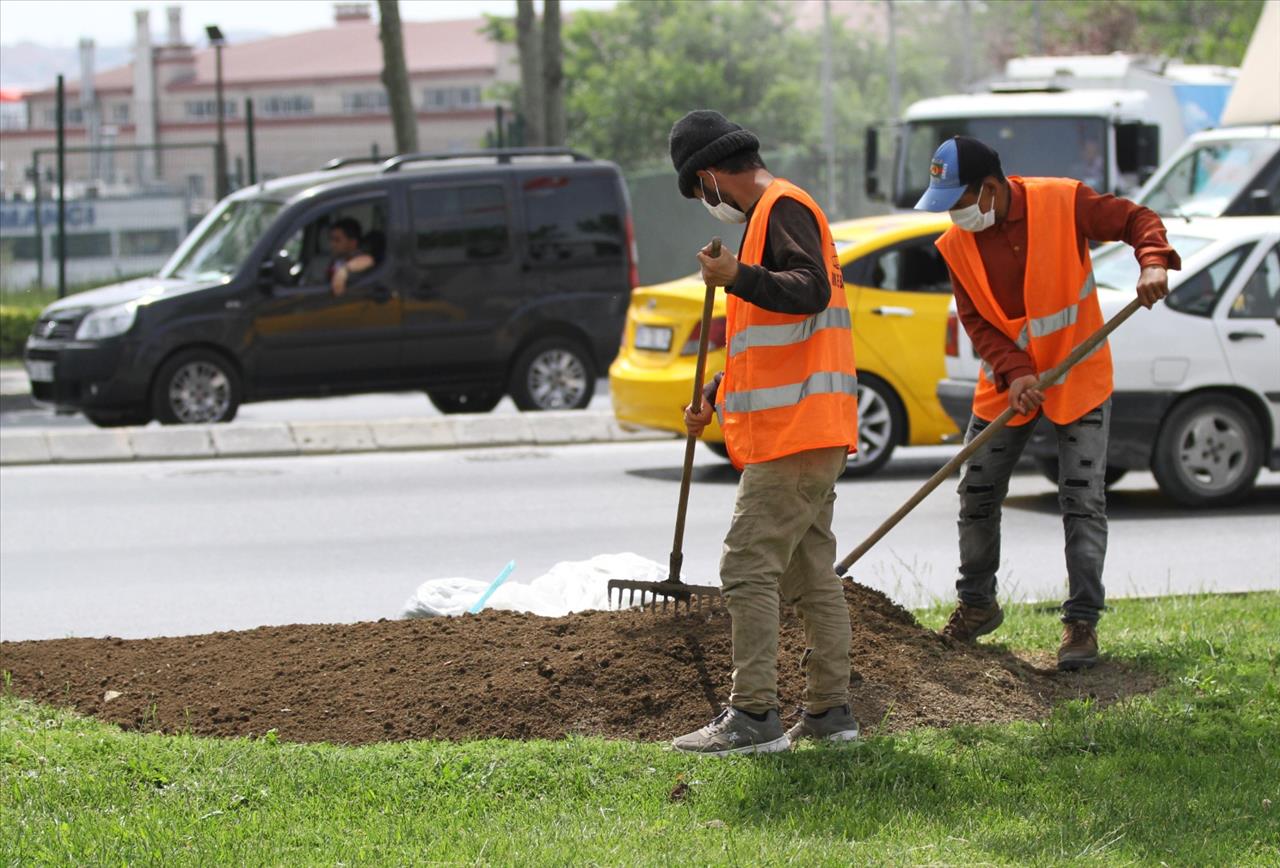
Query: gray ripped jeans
point(984, 482)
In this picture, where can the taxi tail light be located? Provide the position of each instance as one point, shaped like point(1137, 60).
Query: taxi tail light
point(953, 335)
point(715, 337)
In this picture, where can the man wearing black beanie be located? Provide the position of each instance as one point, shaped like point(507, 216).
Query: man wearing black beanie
point(787, 402)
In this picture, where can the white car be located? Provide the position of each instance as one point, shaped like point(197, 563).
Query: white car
point(1197, 377)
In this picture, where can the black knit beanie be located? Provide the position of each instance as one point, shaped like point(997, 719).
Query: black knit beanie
point(702, 139)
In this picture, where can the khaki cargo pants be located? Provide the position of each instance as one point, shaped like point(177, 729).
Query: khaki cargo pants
point(780, 545)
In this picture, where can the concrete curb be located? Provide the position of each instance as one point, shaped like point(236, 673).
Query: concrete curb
point(184, 442)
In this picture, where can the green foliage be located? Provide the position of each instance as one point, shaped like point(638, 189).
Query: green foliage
point(1195, 31)
point(15, 324)
point(1187, 776)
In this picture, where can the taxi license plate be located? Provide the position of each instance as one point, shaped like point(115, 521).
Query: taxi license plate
point(40, 372)
point(653, 338)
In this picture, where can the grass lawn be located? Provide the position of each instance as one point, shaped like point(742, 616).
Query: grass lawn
point(1188, 776)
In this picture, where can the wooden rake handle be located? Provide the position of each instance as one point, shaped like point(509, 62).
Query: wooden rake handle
point(699, 374)
point(1052, 376)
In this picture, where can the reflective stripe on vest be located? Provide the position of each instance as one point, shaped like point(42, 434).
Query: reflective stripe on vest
point(790, 333)
point(1047, 325)
point(820, 383)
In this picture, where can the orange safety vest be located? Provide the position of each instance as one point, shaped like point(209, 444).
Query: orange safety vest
point(1061, 305)
point(789, 383)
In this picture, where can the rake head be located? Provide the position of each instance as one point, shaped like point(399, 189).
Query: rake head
point(672, 592)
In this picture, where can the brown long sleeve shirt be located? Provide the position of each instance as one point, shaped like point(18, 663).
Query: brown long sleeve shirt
point(1003, 248)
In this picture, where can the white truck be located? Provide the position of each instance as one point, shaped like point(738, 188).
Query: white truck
point(1105, 119)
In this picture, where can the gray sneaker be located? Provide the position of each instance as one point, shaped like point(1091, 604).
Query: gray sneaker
point(733, 732)
point(834, 724)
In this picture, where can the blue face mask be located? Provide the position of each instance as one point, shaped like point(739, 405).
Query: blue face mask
point(724, 212)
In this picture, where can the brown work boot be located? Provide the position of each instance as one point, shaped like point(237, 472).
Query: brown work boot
point(1079, 648)
point(969, 622)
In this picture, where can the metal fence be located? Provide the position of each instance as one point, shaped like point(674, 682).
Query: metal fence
point(123, 211)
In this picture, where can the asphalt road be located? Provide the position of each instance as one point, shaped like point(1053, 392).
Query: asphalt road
point(21, 413)
point(152, 549)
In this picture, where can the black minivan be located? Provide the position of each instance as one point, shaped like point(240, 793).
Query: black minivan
point(493, 272)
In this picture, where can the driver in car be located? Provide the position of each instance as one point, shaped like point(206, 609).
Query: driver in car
point(348, 259)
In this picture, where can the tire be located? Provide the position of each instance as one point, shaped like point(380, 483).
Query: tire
point(1208, 452)
point(469, 401)
point(117, 419)
point(553, 374)
point(881, 426)
point(1049, 467)
point(196, 387)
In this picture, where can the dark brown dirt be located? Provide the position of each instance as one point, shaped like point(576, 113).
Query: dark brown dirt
point(616, 674)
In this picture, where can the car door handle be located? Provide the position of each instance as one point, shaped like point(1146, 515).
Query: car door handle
point(889, 310)
point(1244, 336)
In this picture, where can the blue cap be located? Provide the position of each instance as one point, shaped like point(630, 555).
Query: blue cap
point(958, 162)
point(945, 186)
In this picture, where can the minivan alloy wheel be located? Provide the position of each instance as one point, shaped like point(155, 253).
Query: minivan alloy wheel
point(881, 423)
point(199, 392)
point(557, 380)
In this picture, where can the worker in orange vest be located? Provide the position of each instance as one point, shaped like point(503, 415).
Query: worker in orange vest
point(1005, 229)
point(788, 407)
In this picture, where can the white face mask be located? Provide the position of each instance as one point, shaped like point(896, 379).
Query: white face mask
point(973, 218)
point(724, 212)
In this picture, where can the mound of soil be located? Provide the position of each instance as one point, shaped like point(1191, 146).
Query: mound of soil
point(626, 674)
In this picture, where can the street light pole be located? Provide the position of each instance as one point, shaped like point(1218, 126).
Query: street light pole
point(217, 40)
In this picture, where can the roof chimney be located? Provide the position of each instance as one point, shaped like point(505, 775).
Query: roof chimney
point(351, 13)
point(175, 25)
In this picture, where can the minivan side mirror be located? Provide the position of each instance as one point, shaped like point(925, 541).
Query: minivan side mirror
point(1138, 149)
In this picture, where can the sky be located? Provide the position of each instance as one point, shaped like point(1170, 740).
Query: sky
point(110, 22)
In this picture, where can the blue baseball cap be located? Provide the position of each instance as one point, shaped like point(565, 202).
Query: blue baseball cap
point(958, 162)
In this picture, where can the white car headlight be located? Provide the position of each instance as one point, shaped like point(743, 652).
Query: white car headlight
point(108, 322)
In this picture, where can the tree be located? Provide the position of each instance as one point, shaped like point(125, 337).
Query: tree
point(528, 44)
point(552, 73)
point(395, 77)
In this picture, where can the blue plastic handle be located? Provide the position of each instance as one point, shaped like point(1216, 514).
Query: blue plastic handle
point(493, 586)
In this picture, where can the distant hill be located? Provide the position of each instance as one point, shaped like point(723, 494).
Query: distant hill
point(30, 66)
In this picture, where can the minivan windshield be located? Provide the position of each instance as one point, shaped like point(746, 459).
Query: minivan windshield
point(1028, 146)
point(1209, 178)
point(223, 240)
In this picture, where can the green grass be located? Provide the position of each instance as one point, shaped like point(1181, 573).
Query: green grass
point(1187, 776)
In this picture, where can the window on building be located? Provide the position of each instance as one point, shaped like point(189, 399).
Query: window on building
point(285, 106)
point(573, 219)
point(195, 186)
point(120, 113)
point(74, 116)
point(459, 224)
point(447, 99)
point(18, 248)
point(148, 242)
point(84, 245)
point(207, 109)
point(364, 102)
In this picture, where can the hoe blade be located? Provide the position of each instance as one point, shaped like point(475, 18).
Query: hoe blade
point(669, 593)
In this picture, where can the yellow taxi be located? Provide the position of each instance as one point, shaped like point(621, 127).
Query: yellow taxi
point(898, 292)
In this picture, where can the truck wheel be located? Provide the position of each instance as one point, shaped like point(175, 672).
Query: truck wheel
point(196, 387)
point(471, 401)
point(117, 419)
point(1049, 467)
point(553, 374)
point(881, 426)
point(1208, 452)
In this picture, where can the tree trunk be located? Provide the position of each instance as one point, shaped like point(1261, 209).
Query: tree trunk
point(552, 72)
point(395, 77)
point(528, 44)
